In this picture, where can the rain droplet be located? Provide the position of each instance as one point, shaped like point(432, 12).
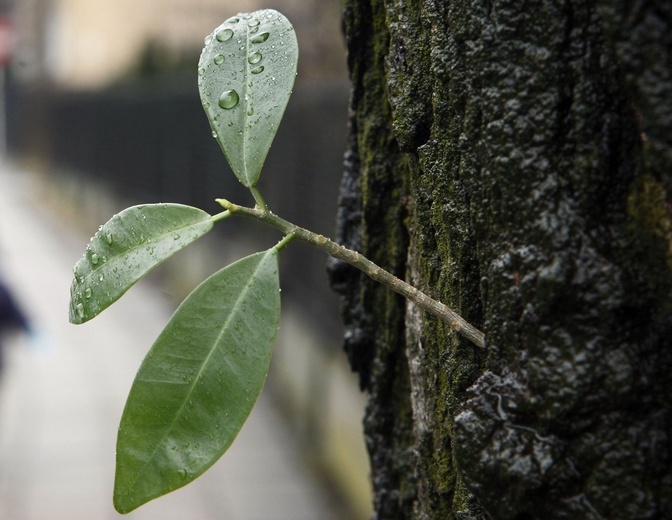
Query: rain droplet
point(233, 20)
point(219, 59)
point(87, 293)
point(80, 310)
point(253, 23)
point(208, 39)
point(260, 38)
point(176, 236)
point(108, 238)
point(183, 474)
point(228, 99)
point(255, 57)
point(201, 71)
point(224, 35)
point(258, 70)
point(94, 258)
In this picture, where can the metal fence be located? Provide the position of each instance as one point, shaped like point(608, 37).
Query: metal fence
point(152, 142)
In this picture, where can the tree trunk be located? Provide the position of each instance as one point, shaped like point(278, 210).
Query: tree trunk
point(514, 160)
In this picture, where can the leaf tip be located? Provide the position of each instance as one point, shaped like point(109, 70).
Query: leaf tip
point(126, 501)
point(121, 507)
point(76, 312)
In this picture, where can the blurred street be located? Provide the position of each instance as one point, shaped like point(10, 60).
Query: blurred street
point(62, 392)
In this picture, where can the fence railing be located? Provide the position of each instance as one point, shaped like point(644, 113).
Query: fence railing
point(151, 143)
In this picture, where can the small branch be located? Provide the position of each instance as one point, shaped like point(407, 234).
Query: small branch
point(377, 273)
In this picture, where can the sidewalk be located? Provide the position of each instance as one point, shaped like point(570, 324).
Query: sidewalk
point(62, 394)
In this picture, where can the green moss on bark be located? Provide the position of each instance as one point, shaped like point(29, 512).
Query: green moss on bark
point(648, 203)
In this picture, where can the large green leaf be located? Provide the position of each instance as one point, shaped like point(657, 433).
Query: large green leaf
point(245, 77)
point(126, 248)
point(199, 382)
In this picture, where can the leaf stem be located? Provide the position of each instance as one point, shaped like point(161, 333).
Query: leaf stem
point(221, 216)
point(261, 203)
point(285, 241)
point(377, 273)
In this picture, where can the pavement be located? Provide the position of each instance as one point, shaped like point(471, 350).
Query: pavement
point(63, 389)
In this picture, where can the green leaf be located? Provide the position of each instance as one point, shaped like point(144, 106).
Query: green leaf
point(126, 248)
point(199, 382)
point(245, 77)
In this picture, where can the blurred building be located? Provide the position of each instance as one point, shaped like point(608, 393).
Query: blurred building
point(90, 43)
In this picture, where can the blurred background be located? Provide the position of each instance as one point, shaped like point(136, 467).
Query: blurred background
point(99, 110)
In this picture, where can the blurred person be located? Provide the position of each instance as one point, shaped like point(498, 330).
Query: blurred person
point(12, 317)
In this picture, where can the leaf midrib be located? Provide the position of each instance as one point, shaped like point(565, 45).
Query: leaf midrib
point(245, 105)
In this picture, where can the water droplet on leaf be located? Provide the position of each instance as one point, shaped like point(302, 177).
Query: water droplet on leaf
point(228, 99)
point(260, 38)
point(219, 59)
point(94, 258)
point(255, 57)
point(80, 310)
point(87, 293)
point(258, 70)
point(224, 34)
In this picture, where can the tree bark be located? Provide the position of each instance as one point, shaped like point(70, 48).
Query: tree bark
point(513, 160)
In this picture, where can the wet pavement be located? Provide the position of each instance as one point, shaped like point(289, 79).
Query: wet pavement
point(63, 390)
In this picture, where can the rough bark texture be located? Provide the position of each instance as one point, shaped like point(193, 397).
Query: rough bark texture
point(514, 160)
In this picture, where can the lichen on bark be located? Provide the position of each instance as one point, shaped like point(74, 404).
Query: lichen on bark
point(513, 160)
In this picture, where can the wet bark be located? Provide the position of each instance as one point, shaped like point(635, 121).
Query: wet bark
point(514, 160)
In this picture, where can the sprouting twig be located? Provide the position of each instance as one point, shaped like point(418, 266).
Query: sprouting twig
point(377, 273)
